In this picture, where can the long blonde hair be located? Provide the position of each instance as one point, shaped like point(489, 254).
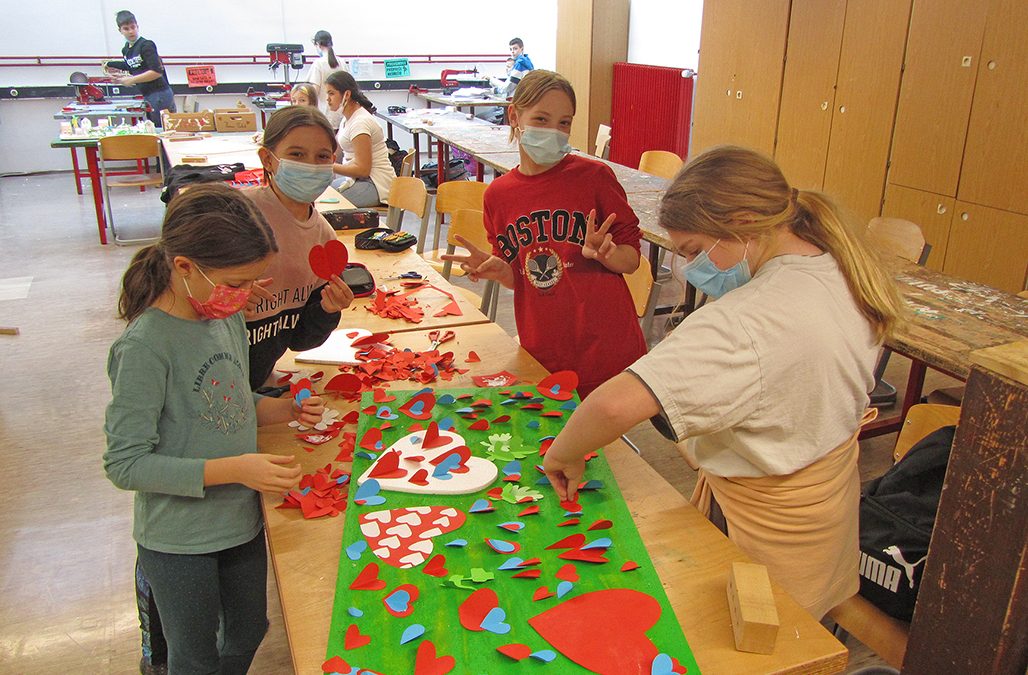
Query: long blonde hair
point(535, 85)
point(739, 193)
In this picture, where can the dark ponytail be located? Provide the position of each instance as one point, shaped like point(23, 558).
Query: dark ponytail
point(213, 225)
point(343, 81)
point(324, 39)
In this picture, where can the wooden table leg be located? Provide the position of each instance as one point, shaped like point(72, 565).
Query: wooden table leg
point(417, 155)
point(98, 195)
point(76, 172)
point(440, 168)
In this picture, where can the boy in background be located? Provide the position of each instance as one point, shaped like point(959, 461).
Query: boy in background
point(522, 64)
point(141, 67)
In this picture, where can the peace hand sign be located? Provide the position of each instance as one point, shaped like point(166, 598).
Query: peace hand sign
point(599, 242)
point(478, 264)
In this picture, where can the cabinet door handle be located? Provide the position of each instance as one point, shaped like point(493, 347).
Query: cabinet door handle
point(940, 209)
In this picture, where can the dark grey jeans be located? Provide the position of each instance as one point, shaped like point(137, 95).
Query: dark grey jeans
point(213, 606)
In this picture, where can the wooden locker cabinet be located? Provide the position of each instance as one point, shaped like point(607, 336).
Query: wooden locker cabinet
point(808, 90)
point(870, 66)
point(996, 158)
point(593, 36)
point(939, 75)
point(989, 246)
point(742, 48)
point(931, 211)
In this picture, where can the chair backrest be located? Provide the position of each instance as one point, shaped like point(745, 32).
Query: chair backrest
point(130, 146)
point(640, 282)
point(454, 195)
point(660, 163)
point(407, 164)
point(921, 420)
point(468, 223)
point(602, 141)
point(409, 194)
point(897, 237)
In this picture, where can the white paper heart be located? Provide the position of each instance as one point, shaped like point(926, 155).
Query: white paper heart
point(382, 553)
point(432, 532)
point(402, 530)
point(391, 542)
point(380, 516)
point(410, 518)
point(425, 546)
point(412, 560)
point(480, 472)
point(370, 529)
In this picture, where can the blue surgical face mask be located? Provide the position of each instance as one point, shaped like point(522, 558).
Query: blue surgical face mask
point(702, 273)
point(301, 181)
point(545, 146)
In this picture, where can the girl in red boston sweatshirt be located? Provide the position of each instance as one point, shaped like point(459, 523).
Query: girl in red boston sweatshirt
point(562, 234)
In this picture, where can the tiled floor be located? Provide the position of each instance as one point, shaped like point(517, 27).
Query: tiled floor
point(66, 552)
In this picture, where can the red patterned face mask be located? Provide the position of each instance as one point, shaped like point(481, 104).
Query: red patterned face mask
point(223, 302)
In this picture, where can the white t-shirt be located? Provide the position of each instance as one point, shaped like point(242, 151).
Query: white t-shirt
point(363, 122)
point(320, 70)
point(770, 377)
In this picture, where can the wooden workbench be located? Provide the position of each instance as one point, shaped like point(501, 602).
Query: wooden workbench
point(691, 556)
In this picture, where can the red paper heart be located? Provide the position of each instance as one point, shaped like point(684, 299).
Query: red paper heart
point(515, 651)
point(480, 425)
point(420, 477)
point(372, 437)
point(427, 401)
point(432, 437)
point(613, 641)
point(473, 610)
point(335, 665)
point(381, 396)
point(572, 541)
point(560, 386)
point(397, 606)
point(368, 579)
point(629, 566)
point(567, 573)
point(529, 574)
point(403, 537)
point(388, 466)
point(542, 593)
point(368, 340)
point(472, 357)
point(590, 555)
point(344, 383)
point(436, 567)
point(601, 525)
point(328, 260)
point(427, 663)
point(353, 638)
point(530, 511)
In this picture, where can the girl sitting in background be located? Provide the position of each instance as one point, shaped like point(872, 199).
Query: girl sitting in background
point(304, 93)
point(365, 156)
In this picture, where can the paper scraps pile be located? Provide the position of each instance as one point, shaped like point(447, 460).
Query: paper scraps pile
point(382, 363)
point(396, 305)
point(322, 493)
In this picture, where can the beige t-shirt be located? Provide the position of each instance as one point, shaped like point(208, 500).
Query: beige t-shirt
point(770, 377)
point(363, 122)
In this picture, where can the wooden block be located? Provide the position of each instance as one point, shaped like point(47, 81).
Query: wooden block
point(752, 606)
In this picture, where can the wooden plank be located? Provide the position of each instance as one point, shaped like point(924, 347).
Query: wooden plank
point(972, 608)
point(475, 139)
point(1009, 360)
point(865, 103)
point(752, 606)
point(997, 137)
point(808, 91)
point(989, 246)
point(939, 75)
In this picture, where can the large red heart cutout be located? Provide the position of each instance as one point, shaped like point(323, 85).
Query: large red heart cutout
point(427, 663)
point(603, 631)
point(403, 537)
point(329, 259)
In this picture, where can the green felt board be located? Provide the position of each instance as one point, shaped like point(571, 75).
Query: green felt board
point(436, 608)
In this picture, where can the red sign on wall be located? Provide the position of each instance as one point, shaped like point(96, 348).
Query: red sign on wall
point(201, 76)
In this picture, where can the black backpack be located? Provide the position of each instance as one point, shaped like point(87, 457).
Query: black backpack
point(184, 174)
point(455, 170)
point(897, 514)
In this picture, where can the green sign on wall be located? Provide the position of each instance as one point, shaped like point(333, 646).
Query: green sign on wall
point(397, 68)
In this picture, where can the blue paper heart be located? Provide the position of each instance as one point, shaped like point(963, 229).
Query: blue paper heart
point(343, 480)
point(569, 404)
point(301, 395)
point(367, 494)
point(513, 466)
point(355, 613)
point(592, 485)
point(419, 392)
point(534, 424)
point(417, 409)
point(555, 389)
point(543, 481)
point(446, 423)
point(509, 401)
point(662, 665)
point(602, 542)
point(365, 455)
point(511, 563)
point(445, 399)
point(563, 588)
point(443, 469)
point(457, 542)
point(386, 413)
point(512, 526)
point(544, 655)
point(481, 506)
point(493, 621)
point(464, 411)
point(501, 546)
point(398, 601)
point(354, 550)
point(412, 632)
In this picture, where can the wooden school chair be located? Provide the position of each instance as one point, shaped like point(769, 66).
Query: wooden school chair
point(134, 147)
point(407, 165)
point(856, 616)
point(894, 236)
point(468, 224)
point(408, 194)
point(644, 291)
point(602, 142)
point(660, 163)
point(450, 197)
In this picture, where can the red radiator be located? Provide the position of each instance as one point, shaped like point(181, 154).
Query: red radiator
point(651, 110)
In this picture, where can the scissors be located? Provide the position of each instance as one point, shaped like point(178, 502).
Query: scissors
point(406, 275)
point(438, 338)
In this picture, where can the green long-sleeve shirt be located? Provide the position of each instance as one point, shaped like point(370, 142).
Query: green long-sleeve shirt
point(181, 396)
